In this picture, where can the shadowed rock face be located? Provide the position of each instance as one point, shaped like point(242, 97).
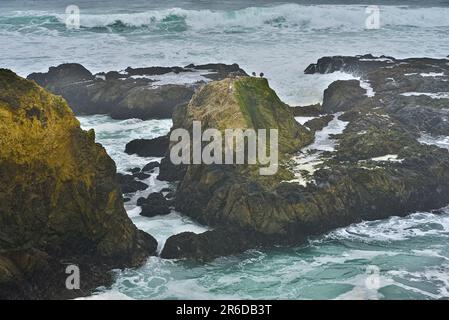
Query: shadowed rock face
point(375, 168)
point(60, 203)
point(144, 93)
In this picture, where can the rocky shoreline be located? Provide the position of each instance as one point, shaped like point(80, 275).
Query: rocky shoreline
point(359, 156)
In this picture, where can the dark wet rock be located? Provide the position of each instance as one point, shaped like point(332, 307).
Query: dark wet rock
point(129, 184)
point(150, 166)
point(343, 95)
point(414, 90)
point(314, 110)
point(141, 175)
point(319, 123)
point(156, 147)
point(134, 170)
point(133, 93)
point(378, 167)
point(155, 204)
point(60, 203)
point(170, 195)
point(356, 65)
point(170, 172)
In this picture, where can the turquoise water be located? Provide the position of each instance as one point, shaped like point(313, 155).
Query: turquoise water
point(397, 258)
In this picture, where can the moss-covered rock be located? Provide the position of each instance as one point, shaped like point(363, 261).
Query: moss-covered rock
point(59, 199)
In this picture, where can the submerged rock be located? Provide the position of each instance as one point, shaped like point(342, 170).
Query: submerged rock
point(59, 201)
point(144, 93)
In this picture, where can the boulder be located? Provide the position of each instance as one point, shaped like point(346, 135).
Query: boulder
point(155, 204)
point(60, 203)
point(314, 110)
point(319, 123)
point(143, 93)
point(150, 166)
point(156, 147)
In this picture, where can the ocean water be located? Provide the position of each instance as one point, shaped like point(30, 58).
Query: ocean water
point(396, 258)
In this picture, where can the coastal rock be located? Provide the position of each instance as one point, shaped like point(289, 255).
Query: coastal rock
point(59, 201)
point(155, 204)
point(128, 184)
point(143, 93)
point(414, 90)
point(319, 123)
point(371, 168)
point(156, 147)
point(313, 110)
point(343, 95)
point(150, 166)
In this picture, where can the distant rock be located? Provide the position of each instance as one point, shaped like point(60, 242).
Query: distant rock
point(144, 93)
point(156, 147)
point(60, 203)
point(319, 123)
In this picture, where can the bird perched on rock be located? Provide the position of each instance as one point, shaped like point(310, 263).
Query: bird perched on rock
point(254, 74)
point(261, 74)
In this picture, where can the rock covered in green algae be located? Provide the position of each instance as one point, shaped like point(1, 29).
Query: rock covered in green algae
point(377, 169)
point(59, 200)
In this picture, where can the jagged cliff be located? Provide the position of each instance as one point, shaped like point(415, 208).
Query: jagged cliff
point(371, 168)
point(59, 201)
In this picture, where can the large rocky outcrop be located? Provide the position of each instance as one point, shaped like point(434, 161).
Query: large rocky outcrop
point(374, 168)
point(415, 91)
point(143, 93)
point(60, 203)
